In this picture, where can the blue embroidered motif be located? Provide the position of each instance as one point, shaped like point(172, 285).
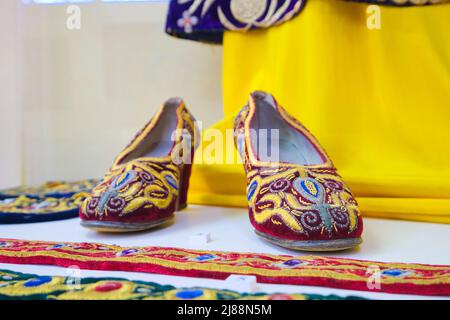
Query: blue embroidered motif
point(171, 181)
point(292, 262)
point(205, 257)
point(251, 190)
point(309, 188)
point(124, 179)
point(189, 294)
point(119, 182)
point(395, 272)
point(314, 192)
point(37, 281)
point(127, 252)
point(57, 246)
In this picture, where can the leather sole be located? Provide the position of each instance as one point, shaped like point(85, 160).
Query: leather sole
point(313, 245)
point(122, 227)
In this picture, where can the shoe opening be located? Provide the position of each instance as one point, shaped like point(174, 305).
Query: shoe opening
point(273, 139)
point(158, 142)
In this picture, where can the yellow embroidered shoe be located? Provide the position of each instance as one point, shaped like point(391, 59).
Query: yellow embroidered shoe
point(149, 179)
point(295, 196)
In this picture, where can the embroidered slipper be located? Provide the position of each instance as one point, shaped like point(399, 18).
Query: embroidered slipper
point(24, 209)
point(149, 179)
point(296, 198)
point(51, 189)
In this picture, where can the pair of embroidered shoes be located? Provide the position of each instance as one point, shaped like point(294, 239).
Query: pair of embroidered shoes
point(296, 198)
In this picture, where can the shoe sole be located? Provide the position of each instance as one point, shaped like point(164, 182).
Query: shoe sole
point(314, 245)
point(123, 227)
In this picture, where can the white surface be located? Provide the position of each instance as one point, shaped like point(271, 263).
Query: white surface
point(384, 240)
point(10, 95)
point(241, 283)
point(200, 239)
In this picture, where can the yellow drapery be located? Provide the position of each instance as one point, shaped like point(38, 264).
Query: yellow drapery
point(378, 100)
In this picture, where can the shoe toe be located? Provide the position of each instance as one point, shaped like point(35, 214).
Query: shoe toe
point(132, 196)
point(295, 208)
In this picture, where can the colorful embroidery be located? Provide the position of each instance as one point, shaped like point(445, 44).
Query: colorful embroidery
point(295, 202)
point(143, 189)
point(339, 273)
point(16, 285)
point(52, 189)
point(187, 22)
point(303, 203)
point(206, 20)
point(140, 183)
point(24, 209)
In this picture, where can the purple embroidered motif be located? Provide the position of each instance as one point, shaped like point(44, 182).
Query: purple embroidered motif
point(206, 20)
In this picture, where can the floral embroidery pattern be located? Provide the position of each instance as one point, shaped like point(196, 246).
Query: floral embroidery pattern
point(28, 286)
point(187, 22)
point(308, 202)
point(300, 200)
point(25, 204)
point(25, 209)
point(212, 17)
point(51, 189)
point(140, 184)
point(340, 273)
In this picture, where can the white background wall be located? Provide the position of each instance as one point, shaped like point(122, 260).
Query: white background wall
point(10, 102)
point(71, 100)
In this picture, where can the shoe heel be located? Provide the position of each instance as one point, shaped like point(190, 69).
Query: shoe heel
point(185, 174)
point(184, 186)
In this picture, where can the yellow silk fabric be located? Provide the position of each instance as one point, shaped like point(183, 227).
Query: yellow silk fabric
point(377, 100)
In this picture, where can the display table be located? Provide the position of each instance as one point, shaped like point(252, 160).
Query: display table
point(230, 230)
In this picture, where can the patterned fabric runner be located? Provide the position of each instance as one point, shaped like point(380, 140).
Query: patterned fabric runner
point(51, 189)
point(16, 285)
point(339, 273)
point(25, 209)
point(53, 200)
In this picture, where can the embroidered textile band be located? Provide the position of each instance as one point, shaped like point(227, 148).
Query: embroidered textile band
point(50, 189)
point(53, 200)
point(339, 273)
point(24, 209)
point(16, 285)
